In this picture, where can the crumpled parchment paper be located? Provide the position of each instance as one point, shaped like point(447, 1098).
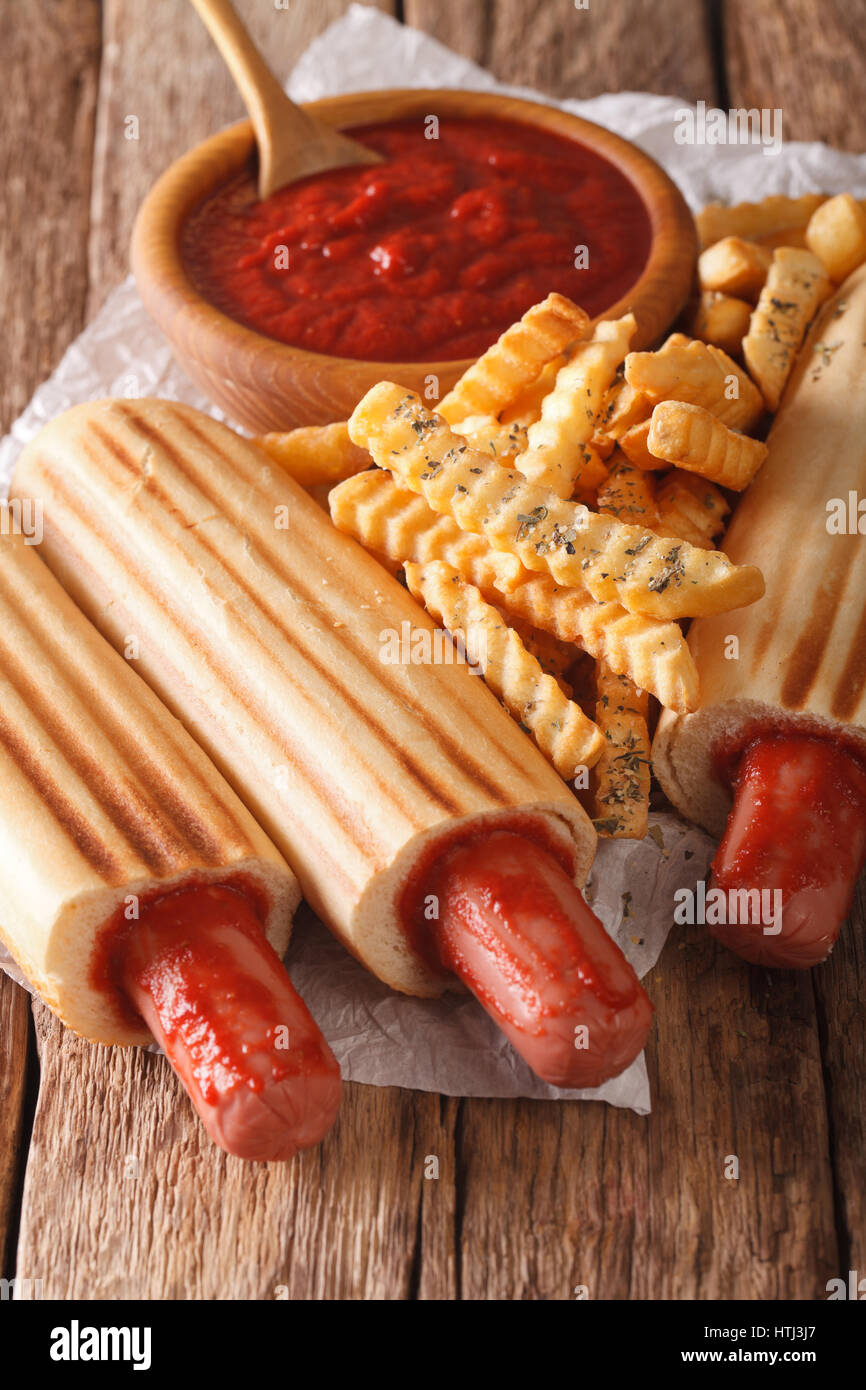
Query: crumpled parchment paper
point(381, 1038)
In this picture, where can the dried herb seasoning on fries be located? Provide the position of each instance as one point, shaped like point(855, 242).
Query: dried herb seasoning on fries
point(565, 501)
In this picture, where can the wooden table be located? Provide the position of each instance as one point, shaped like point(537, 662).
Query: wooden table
point(110, 1190)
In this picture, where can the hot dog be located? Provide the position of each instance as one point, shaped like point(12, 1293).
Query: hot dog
point(262, 628)
point(217, 998)
point(782, 727)
point(517, 932)
point(110, 816)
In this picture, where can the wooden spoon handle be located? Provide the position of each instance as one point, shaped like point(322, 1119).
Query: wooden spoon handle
point(291, 143)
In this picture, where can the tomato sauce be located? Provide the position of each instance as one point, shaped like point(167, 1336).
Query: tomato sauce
point(412, 902)
point(428, 256)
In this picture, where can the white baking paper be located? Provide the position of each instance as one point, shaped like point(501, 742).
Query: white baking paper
point(381, 1038)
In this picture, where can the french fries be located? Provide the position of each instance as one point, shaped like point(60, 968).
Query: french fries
point(722, 320)
point(485, 432)
point(515, 359)
point(316, 454)
point(836, 234)
point(398, 526)
point(756, 220)
point(733, 266)
point(692, 438)
point(560, 728)
point(690, 508)
point(796, 285)
point(628, 495)
point(559, 453)
point(620, 780)
point(621, 408)
point(626, 564)
point(700, 374)
point(553, 656)
point(634, 444)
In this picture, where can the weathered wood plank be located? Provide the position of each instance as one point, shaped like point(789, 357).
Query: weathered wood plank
point(51, 63)
point(14, 1057)
point(127, 1198)
point(840, 989)
point(808, 59)
point(641, 1208)
point(572, 52)
point(50, 71)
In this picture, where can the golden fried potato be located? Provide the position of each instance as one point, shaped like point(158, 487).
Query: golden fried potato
point(754, 220)
point(735, 267)
point(690, 508)
point(836, 234)
point(722, 320)
point(692, 438)
point(515, 359)
point(577, 547)
point(688, 370)
point(557, 725)
point(796, 285)
point(316, 454)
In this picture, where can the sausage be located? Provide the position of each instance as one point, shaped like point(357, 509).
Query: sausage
point(797, 830)
point(517, 932)
point(215, 995)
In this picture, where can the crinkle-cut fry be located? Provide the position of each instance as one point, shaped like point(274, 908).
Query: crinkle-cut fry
point(558, 726)
point(796, 285)
point(486, 433)
point(316, 454)
point(553, 656)
point(398, 525)
point(690, 508)
point(734, 266)
point(771, 215)
point(622, 407)
point(626, 564)
point(559, 453)
point(692, 438)
point(785, 236)
point(723, 320)
point(636, 449)
point(602, 445)
point(526, 407)
point(628, 495)
point(515, 359)
point(700, 374)
point(620, 781)
point(836, 234)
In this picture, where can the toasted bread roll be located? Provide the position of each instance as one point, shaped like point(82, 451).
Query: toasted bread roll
point(795, 659)
point(105, 801)
point(279, 642)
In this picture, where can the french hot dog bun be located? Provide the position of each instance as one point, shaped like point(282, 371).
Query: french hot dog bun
point(267, 643)
point(802, 647)
point(103, 795)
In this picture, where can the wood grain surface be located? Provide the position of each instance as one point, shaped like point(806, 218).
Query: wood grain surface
point(123, 1196)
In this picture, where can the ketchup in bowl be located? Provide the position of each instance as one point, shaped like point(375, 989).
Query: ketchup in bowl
point(428, 256)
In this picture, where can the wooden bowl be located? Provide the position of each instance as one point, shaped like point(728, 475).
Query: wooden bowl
point(267, 385)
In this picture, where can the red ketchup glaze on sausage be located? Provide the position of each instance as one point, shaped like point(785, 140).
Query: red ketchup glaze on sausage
point(518, 933)
point(797, 829)
point(215, 995)
point(431, 254)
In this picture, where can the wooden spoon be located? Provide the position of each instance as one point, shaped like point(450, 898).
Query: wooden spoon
point(291, 143)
